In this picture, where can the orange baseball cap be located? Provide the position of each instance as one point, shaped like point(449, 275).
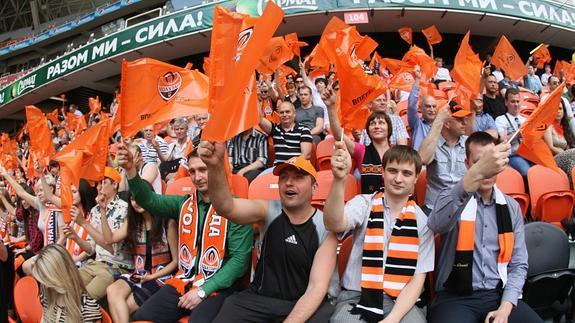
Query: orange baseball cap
point(458, 111)
point(298, 162)
point(112, 174)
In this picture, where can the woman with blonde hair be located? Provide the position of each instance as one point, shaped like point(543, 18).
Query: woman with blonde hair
point(63, 295)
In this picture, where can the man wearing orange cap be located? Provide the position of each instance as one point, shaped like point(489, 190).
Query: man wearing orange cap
point(297, 253)
point(111, 259)
point(443, 151)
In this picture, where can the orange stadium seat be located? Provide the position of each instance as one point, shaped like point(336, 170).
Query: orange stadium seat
point(264, 187)
point(343, 256)
point(324, 180)
point(528, 96)
point(105, 316)
point(551, 198)
point(573, 178)
point(420, 187)
point(182, 186)
point(324, 151)
point(27, 300)
point(240, 186)
point(401, 108)
point(527, 107)
point(510, 182)
point(446, 86)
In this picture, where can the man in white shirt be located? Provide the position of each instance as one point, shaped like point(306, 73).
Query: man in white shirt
point(442, 74)
point(507, 125)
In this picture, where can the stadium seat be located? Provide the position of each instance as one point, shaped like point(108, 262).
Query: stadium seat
point(27, 300)
point(105, 316)
point(526, 108)
point(402, 108)
point(510, 182)
point(264, 187)
point(446, 86)
point(240, 186)
point(182, 186)
point(549, 279)
point(551, 198)
point(343, 255)
point(323, 154)
point(528, 96)
point(420, 187)
point(324, 180)
point(439, 94)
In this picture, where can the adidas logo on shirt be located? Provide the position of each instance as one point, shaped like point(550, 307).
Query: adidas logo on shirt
point(291, 239)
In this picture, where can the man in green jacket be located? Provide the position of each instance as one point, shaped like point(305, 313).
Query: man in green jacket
point(213, 252)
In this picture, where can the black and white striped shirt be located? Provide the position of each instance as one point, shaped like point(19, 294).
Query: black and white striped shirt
point(244, 152)
point(287, 144)
point(149, 154)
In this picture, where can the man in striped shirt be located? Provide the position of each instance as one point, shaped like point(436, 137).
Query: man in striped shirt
point(392, 248)
point(154, 148)
point(248, 153)
point(290, 139)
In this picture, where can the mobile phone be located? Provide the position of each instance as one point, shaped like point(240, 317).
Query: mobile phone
point(135, 279)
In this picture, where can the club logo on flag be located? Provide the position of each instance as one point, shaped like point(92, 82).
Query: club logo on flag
point(210, 262)
point(404, 34)
point(169, 84)
point(511, 58)
point(243, 39)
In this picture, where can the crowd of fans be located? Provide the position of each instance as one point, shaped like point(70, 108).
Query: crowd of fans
point(156, 257)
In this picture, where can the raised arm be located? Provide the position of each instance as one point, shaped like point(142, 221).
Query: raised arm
point(323, 263)
point(7, 205)
point(333, 210)
point(329, 99)
point(94, 233)
point(429, 144)
point(29, 198)
point(50, 196)
point(240, 211)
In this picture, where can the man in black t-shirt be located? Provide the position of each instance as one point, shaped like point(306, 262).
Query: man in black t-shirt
point(493, 103)
point(297, 253)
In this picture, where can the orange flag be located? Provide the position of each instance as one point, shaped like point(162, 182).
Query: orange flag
point(403, 80)
point(9, 160)
point(532, 146)
point(94, 147)
point(417, 56)
point(406, 33)
point(53, 116)
point(238, 41)
point(357, 88)
point(432, 35)
point(206, 65)
point(467, 67)
point(40, 135)
point(319, 57)
point(275, 54)
point(294, 44)
point(507, 58)
point(463, 97)
point(283, 72)
point(154, 91)
point(70, 169)
point(95, 105)
point(541, 55)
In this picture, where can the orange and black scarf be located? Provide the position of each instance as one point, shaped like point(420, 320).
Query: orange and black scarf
point(210, 247)
point(460, 279)
point(389, 276)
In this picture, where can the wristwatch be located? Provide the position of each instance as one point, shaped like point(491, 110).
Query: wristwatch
point(201, 293)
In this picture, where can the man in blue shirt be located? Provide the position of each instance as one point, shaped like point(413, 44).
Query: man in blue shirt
point(419, 125)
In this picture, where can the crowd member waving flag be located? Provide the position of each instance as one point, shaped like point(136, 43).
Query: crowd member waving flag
point(294, 43)
point(154, 91)
point(238, 43)
point(533, 147)
point(95, 105)
point(507, 58)
point(467, 67)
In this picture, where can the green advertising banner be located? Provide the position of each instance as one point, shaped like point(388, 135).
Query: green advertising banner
point(547, 12)
point(200, 18)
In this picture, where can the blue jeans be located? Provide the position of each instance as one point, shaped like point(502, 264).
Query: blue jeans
point(520, 164)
